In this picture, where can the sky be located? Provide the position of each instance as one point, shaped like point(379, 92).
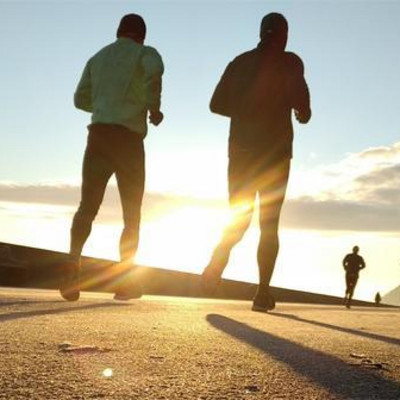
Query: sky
point(344, 187)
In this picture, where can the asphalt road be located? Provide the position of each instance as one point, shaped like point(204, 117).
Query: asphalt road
point(180, 348)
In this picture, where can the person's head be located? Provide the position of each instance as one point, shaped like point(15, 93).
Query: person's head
point(132, 26)
point(274, 30)
point(356, 249)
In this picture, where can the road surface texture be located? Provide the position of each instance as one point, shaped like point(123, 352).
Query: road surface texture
point(181, 348)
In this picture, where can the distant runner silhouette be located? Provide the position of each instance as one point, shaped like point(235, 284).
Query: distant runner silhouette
point(378, 299)
point(120, 85)
point(258, 91)
point(352, 264)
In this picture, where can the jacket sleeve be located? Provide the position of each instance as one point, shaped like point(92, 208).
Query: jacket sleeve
point(221, 101)
point(83, 92)
point(298, 88)
point(153, 68)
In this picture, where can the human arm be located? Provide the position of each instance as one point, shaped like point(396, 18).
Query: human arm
point(362, 263)
point(153, 69)
point(83, 92)
point(298, 89)
point(221, 99)
point(345, 262)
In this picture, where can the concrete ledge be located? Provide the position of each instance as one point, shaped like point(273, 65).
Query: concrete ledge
point(39, 268)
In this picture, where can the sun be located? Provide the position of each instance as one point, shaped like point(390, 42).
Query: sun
point(182, 239)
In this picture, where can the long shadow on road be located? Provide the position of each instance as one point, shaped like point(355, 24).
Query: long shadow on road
point(368, 335)
point(23, 302)
point(324, 369)
point(65, 309)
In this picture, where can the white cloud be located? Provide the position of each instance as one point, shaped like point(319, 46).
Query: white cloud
point(370, 175)
point(361, 192)
point(383, 153)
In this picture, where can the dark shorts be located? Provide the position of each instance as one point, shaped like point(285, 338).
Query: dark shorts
point(351, 279)
point(250, 174)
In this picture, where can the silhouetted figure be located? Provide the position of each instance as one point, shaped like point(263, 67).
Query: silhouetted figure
point(258, 91)
point(353, 264)
point(120, 86)
point(378, 299)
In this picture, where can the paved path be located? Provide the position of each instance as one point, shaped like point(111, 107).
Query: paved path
point(179, 348)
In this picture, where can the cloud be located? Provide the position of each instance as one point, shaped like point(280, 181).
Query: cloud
point(380, 186)
point(360, 193)
point(307, 213)
point(370, 175)
point(54, 194)
point(381, 153)
point(67, 197)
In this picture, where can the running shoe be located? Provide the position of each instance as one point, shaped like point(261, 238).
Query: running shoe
point(263, 301)
point(69, 288)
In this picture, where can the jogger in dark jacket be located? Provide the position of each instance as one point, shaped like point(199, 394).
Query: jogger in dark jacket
point(258, 91)
point(353, 263)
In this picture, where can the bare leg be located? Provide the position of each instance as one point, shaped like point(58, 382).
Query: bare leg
point(271, 199)
point(231, 236)
point(267, 253)
point(352, 286)
point(242, 195)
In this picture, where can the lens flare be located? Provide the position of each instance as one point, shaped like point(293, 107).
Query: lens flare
point(108, 373)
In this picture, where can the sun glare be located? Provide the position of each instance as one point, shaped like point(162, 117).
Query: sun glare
point(182, 239)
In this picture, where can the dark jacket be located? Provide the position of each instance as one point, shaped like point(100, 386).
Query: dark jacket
point(353, 263)
point(258, 91)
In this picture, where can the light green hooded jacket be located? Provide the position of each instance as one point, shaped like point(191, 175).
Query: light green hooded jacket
point(120, 84)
